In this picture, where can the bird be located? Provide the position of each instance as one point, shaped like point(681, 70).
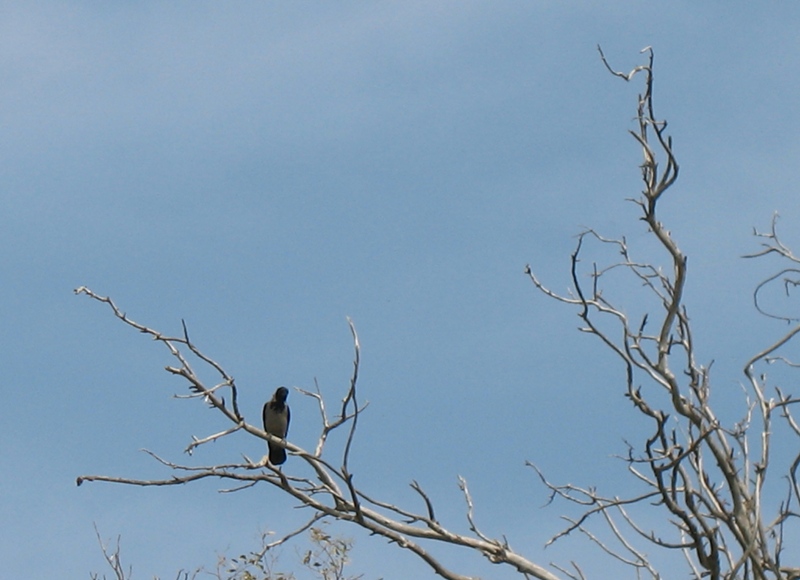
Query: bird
point(276, 417)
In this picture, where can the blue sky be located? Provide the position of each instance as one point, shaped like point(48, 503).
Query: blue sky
point(265, 169)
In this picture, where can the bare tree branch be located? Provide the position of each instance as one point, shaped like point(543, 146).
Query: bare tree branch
point(114, 560)
point(112, 557)
point(331, 492)
point(709, 478)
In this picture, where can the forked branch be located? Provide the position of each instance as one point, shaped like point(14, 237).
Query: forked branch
point(330, 492)
point(708, 478)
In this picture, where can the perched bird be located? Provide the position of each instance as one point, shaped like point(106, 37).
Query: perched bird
point(276, 422)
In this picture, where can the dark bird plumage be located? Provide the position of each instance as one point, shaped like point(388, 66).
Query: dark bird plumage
point(276, 417)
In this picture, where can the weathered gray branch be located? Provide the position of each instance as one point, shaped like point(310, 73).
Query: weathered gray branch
point(332, 491)
point(708, 478)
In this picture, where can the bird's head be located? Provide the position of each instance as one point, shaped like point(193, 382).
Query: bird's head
point(281, 394)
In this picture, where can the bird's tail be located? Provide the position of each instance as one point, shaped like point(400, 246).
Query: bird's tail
point(277, 454)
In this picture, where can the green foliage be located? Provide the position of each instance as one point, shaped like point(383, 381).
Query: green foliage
point(329, 556)
point(251, 566)
point(326, 559)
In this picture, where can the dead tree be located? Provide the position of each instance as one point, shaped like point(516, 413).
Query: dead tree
point(708, 479)
point(331, 491)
